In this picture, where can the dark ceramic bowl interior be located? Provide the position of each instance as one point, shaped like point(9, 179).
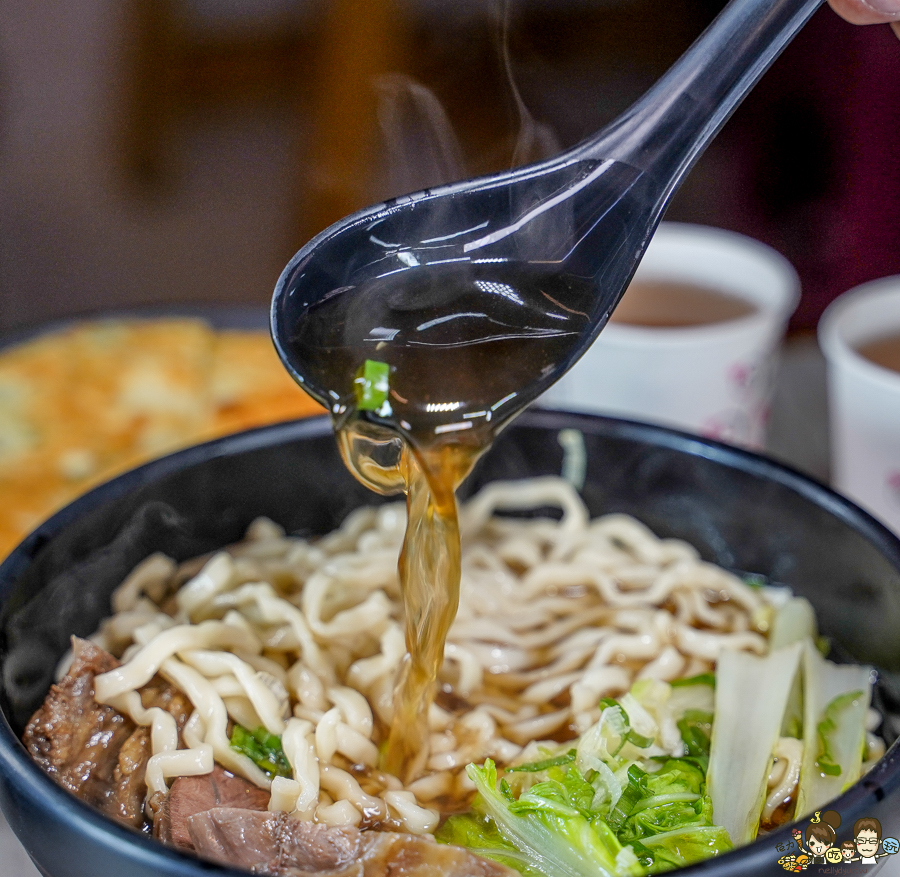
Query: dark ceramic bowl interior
point(741, 511)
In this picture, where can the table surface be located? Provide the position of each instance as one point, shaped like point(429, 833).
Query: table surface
point(797, 435)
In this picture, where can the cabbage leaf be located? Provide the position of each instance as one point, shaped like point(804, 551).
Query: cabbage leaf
point(835, 701)
point(563, 826)
point(751, 699)
point(793, 623)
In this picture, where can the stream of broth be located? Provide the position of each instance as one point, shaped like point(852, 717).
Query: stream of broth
point(462, 347)
point(429, 568)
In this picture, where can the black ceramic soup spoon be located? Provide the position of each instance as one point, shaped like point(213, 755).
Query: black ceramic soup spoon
point(463, 303)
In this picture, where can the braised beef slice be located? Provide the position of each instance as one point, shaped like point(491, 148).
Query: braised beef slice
point(190, 795)
point(406, 855)
point(93, 750)
point(279, 844)
point(274, 843)
point(75, 739)
point(126, 802)
point(130, 790)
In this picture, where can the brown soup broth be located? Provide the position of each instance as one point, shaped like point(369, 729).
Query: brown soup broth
point(461, 345)
point(884, 351)
point(664, 304)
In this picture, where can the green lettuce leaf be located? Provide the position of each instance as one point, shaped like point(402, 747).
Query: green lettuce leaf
point(680, 847)
point(835, 700)
point(480, 835)
point(669, 824)
point(548, 829)
point(661, 820)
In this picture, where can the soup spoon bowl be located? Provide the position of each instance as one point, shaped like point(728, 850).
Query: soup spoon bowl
point(470, 299)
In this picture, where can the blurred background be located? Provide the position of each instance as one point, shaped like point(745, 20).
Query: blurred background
point(178, 152)
point(172, 151)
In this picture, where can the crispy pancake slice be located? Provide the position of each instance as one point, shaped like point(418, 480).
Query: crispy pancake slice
point(88, 402)
point(250, 386)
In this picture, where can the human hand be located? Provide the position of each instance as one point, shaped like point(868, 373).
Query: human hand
point(869, 12)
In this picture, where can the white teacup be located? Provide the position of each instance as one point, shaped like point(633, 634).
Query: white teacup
point(864, 398)
point(714, 379)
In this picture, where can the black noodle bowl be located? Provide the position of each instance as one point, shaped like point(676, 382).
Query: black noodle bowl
point(740, 510)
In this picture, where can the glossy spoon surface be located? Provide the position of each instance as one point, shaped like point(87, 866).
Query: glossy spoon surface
point(478, 295)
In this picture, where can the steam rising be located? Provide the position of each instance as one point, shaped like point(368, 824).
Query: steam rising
point(536, 140)
point(421, 149)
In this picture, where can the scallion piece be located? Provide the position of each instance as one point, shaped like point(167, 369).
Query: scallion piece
point(262, 748)
point(702, 679)
point(372, 385)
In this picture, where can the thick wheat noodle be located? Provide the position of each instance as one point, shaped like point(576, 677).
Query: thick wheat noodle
point(166, 761)
point(784, 775)
point(304, 638)
point(138, 671)
point(149, 576)
point(212, 711)
point(299, 795)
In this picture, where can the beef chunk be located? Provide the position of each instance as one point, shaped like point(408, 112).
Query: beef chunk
point(274, 843)
point(280, 844)
point(158, 692)
point(406, 855)
point(126, 802)
point(75, 739)
point(94, 750)
point(190, 795)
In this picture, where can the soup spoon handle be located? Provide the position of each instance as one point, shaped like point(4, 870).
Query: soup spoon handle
point(668, 128)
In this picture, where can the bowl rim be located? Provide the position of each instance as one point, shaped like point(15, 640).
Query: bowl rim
point(44, 795)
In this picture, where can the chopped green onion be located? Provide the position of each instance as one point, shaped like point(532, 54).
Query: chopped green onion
point(610, 703)
point(639, 740)
point(828, 767)
point(262, 748)
point(702, 679)
point(630, 735)
point(631, 794)
point(372, 385)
